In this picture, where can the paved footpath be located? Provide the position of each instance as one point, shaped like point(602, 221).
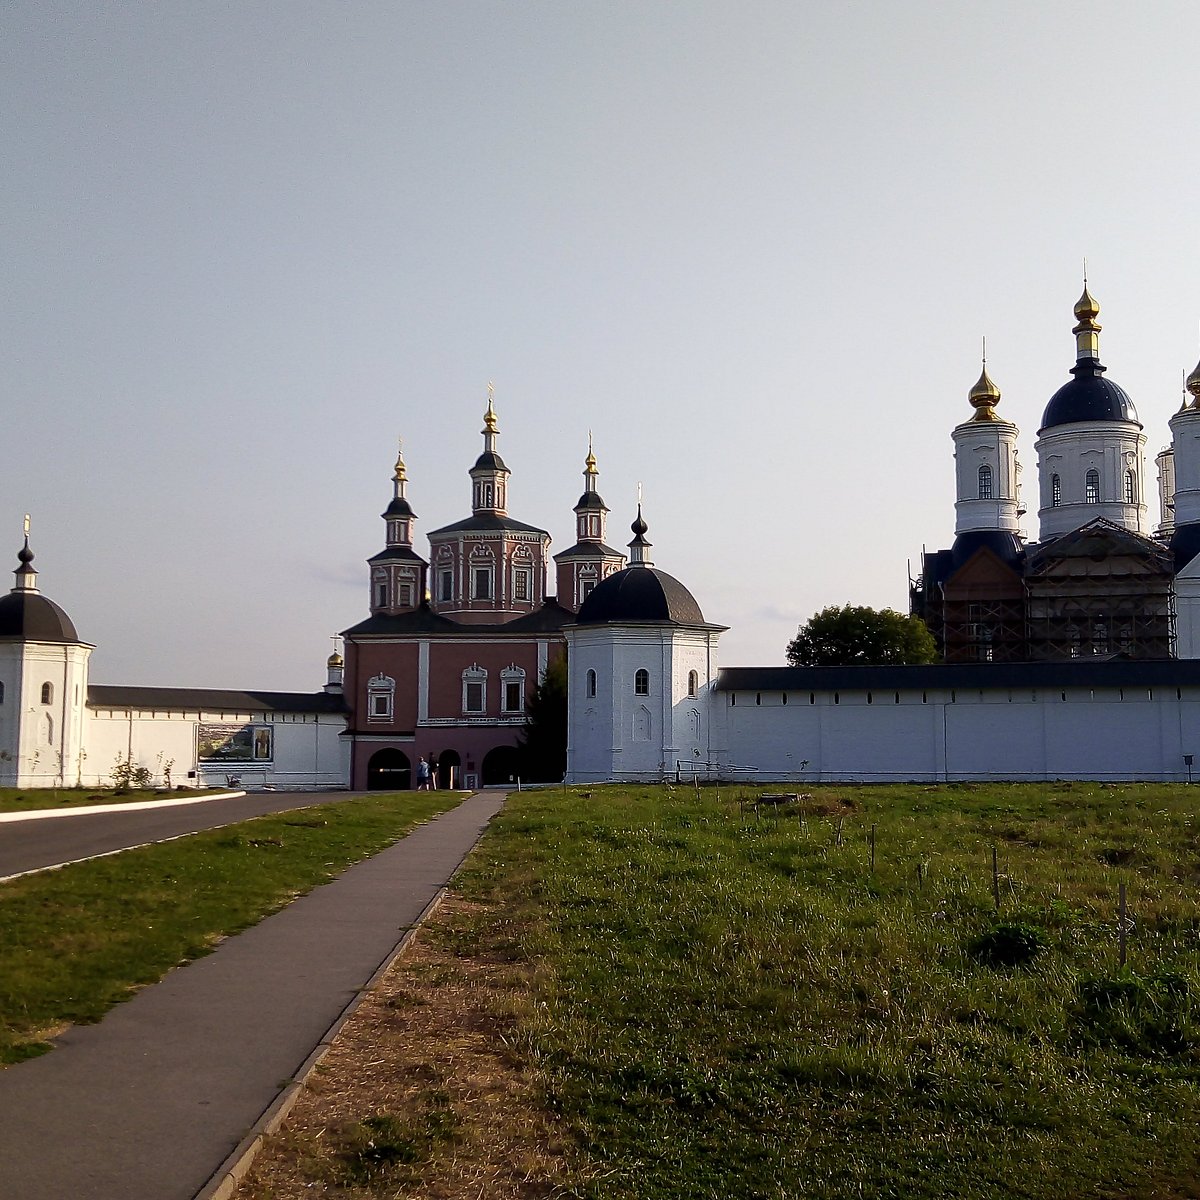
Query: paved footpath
point(148, 1104)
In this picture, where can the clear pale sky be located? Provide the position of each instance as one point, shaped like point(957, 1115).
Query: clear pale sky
point(753, 247)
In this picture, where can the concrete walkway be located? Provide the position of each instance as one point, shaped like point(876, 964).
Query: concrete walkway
point(150, 1102)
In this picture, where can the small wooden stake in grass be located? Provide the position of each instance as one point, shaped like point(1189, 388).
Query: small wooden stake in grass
point(920, 875)
point(1122, 926)
point(995, 878)
point(838, 839)
point(872, 848)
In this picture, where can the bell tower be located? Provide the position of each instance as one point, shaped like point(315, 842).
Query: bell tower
point(586, 563)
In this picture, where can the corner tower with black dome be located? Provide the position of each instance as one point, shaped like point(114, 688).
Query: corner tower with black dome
point(642, 660)
point(398, 572)
point(589, 560)
point(1091, 448)
point(43, 686)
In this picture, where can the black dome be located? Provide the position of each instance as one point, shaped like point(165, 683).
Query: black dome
point(399, 507)
point(1185, 545)
point(489, 460)
point(640, 594)
point(1089, 397)
point(30, 617)
point(1005, 545)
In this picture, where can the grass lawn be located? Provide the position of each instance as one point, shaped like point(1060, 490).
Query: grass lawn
point(732, 1001)
point(76, 941)
point(29, 799)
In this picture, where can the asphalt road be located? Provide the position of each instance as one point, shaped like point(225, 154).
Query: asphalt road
point(30, 845)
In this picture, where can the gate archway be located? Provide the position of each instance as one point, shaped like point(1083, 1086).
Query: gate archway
point(389, 771)
point(449, 772)
point(500, 765)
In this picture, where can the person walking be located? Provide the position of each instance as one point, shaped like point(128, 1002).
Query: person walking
point(422, 776)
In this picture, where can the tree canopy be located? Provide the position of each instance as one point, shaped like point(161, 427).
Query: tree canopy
point(853, 635)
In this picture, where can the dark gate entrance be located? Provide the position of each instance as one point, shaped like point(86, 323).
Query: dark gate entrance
point(389, 771)
point(449, 770)
point(500, 765)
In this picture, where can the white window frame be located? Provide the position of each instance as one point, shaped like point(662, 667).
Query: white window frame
point(522, 584)
point(474, 677)
point(381, 696)
point(641, 682)
point(445, 584)
point(511, 675)
point(478, 573)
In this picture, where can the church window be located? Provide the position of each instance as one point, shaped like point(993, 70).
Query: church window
point(586, 588)
point(1, 693)
point(482, 585)
point(1055, 491)
point(381, 691)
point(522, 578)
point(693, 682)
point(1130, 488)
point(512, 685)
point(641, 683)
point(591, 683)
point(48, 730)
point(1076, 640)
point(985, 482)
point(47, 693)
point(446, 586)
point(474, 696)
point(406, 595)
point(1100, 637)
point(1091, 487)
point(380, 595)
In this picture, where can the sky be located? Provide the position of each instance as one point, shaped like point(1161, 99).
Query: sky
point(753, 248)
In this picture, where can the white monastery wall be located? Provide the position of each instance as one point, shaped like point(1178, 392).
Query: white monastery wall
point(305, 749)
point(1002, 733)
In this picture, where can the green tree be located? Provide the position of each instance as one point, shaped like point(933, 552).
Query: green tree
point(543, 742)
point(857, 636)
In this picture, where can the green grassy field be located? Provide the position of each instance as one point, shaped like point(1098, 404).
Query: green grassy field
point(733, 1002)
point(76, 941)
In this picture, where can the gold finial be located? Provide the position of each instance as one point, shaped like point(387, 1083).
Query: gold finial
point(985, 395)
point(1086, 308)
point(590, 462)
point(1192, 383)
point(489, 418)
point(400, 475)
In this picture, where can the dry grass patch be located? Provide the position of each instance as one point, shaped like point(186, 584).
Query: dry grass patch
point(424, 1093)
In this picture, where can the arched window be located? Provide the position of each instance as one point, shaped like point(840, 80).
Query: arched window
point(985, 482)
point(1055, 491)
point(47, 693)
point(1130, 488)
point(591, 683)
point(1091, 487)
point(641, 683)
point(693, 682)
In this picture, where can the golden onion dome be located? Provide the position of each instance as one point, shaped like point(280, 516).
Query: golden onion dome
point(1086, 307)
point(334, 660)
point(1192, 383)
point(984, 396)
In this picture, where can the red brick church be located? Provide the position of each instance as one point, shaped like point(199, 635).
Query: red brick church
point(442, 667)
